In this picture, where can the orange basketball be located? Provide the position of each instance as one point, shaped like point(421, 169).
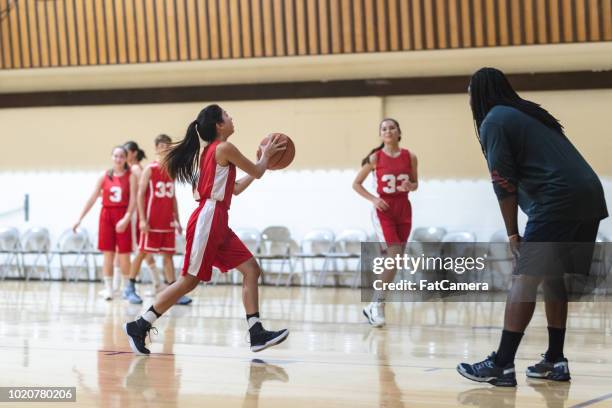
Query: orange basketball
point(281, 159)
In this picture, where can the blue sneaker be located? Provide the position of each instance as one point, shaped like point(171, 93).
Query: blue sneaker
point(129, 293)
point(550, 370)
point(184, 301)
point(487, 371)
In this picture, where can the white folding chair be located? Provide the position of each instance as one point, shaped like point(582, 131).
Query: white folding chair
point(348, 247)
point(76, 246)
point(35, 246)
point(276, 247)
point(9, 253)
point(316, 245)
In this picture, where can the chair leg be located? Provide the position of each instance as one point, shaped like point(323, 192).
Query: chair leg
point(291, 272)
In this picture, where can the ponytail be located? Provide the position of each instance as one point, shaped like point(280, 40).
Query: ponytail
point(133, 147)
point(366, 159)
point(183, 158)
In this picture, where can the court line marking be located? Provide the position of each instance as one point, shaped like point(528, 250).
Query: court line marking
point(593, 401)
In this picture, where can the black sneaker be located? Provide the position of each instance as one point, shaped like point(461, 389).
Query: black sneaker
point(487, 371)
point(137, 333)
point(550, 370)
point(262, 339)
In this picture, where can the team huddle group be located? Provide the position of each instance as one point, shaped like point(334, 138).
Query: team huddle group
point(532, 163)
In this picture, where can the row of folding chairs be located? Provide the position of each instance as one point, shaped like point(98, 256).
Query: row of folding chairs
point(32, 254)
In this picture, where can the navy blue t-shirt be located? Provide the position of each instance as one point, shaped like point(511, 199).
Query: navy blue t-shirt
point(551, 178)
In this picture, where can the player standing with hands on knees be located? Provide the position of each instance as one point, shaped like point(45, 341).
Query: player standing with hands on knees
point(210, 241)
point(118, 189)
point(395, 171)
point(158, 217)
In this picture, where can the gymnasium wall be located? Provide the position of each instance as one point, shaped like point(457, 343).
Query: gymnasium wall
point(330, 133)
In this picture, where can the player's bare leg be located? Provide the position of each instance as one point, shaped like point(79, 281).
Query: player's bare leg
point(107, 272)
point(138, 330)
point(129, 291)
point(260, 337)
point(170, 275)
point(375, 311)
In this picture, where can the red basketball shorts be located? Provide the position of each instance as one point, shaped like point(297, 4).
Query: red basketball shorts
point(157, 242)
point(108, 238)
point(393, 226)
point(211, 242)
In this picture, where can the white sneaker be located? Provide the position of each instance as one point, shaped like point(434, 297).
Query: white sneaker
point(106, 294)
point(375, 313)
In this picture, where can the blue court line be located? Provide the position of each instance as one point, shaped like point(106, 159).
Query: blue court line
point(593, 401)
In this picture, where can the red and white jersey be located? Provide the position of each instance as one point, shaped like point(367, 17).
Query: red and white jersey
point(159, 200)
point(116, 190)
point(215, 182)
point(391, 172)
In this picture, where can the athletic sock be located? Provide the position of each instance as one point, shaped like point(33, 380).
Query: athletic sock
point(254, 323)
point(507, 348)
point(108, 283)
point(556, 339)
point(126, 282)
point(150, 316)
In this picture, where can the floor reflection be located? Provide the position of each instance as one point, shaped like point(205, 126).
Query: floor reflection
point(259, 373)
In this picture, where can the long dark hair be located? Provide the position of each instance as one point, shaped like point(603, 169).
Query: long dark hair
point(366, 159)
point(125, 165)
point(490, 87)
point(132, 146)
point(183, 158)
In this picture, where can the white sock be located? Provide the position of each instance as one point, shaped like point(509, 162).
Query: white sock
point(126, 281)
point(116, 278)
point(149, 316)
point(252, 321)
point(108, 283)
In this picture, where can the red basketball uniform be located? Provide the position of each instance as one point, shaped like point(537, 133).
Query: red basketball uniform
point(393, 226)
point(159, 209)
point(210, 241)
point(115, 200)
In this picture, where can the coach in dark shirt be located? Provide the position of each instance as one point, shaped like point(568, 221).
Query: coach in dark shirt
point(534, 165)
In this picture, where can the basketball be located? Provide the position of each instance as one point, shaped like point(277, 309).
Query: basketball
point(281, 159)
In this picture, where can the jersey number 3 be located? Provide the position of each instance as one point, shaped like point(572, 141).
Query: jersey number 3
point(115, 194)
point(391, 181)
point(164, 189)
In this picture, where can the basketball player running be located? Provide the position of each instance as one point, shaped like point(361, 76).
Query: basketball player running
point(158, 214)
point(135, 157)
point(118, 189)
point(534, 165)
point(395, 170)
point(210, 241)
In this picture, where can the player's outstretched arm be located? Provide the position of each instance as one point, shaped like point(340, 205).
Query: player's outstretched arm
point(90, 201)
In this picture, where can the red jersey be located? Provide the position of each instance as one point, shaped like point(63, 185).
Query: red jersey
point(215, 182)
point(391, 172)
point(116, 190)
point(159, 200)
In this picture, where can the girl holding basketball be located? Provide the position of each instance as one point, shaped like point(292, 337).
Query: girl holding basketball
point(395, 172)
point(210, 241)
point(118, 189)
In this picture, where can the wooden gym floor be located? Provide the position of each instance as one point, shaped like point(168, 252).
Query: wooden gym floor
point(62, 334)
